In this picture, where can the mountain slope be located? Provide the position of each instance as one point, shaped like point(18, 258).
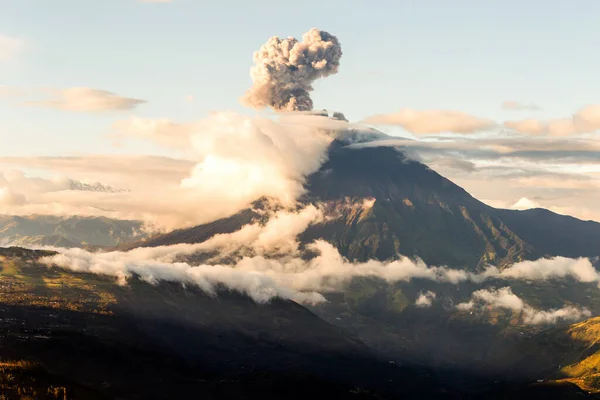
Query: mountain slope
point(416, 212)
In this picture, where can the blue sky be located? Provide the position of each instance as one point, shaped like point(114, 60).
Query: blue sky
point(461, 55)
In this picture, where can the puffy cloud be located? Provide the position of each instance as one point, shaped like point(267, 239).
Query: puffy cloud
point(425, 299)
point(286, 69)
point(261, 277)
point(517, 106)
point(83, 99)
point(580, 269)
point(501, 298)
point(504, 298)
point(9, 47)
point(585, 120)
point(236, 160)
point(207, 277)
point(426, 122)
point(10, 198)
point(271, 252)
point(525, 204)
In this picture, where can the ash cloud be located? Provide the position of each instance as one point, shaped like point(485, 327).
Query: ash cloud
point(286, 69)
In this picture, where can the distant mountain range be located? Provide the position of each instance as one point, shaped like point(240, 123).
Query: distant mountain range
point(94, 187)
point(43, 230)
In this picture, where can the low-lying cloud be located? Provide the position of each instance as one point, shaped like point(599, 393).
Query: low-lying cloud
point(425, 299)
point(504, 298)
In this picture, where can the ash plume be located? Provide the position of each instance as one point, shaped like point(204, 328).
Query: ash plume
point(286, 68)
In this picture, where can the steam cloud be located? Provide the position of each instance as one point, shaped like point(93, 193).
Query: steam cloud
point(233, 161)
point(286, 68)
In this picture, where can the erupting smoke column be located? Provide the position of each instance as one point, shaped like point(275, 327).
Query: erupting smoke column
point(286, 68)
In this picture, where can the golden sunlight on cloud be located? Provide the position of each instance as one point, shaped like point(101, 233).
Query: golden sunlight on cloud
point(426, 122)
point(586, 120)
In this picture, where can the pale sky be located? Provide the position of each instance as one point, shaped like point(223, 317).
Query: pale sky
point(181, 60)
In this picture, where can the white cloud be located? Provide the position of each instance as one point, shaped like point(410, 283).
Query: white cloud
point(504, 298)
point(426, 122)
point(10, 47)
point(525, 204)
point(83, 99)
point(425, 299)
point(10, 198)
point(236, 160)
point(580, 269)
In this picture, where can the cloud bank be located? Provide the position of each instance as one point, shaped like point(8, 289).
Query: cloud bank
point(265, 260)
point(425, 299)
point(504, 298)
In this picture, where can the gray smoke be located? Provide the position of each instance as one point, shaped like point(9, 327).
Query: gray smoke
point(286, 68)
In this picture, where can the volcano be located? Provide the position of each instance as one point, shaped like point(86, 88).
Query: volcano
point(388, 205)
